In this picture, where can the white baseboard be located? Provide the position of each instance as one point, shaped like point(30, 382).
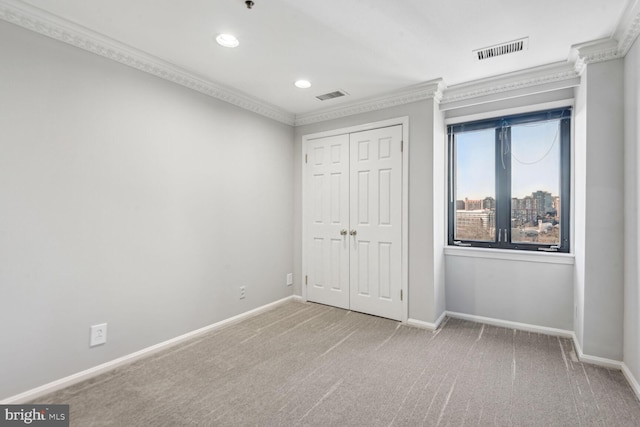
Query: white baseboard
point(633, 382)
point(426, 325)
point(512, 325)
point(440, 319)
point(37, 392)
point(594, 360)
point(421, 324)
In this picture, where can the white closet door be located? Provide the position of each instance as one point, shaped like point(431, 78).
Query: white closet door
point(376, 222)
point(327, 217)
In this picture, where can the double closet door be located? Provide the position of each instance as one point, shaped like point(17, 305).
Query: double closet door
point(353, 221)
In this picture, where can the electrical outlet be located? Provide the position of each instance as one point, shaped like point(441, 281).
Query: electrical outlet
point(289, 279)
point(243, 292)
point(98, 335)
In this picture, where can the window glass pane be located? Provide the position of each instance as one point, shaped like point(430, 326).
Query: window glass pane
point(475, 185)
point(535, 183)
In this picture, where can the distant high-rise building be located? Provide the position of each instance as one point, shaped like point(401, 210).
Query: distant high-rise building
point(524, 211)
point(556, 206)
point(489, 203)
point(544, 201)
point(472, 205)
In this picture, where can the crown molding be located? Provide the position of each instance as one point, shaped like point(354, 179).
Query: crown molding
point(427, 90)
point(524, 82)
point(628, 27)
point(41, 22)
point(614, 47)
point(593, 52)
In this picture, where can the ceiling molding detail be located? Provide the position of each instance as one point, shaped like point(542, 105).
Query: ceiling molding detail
point(49, 25)
point(428, 90)
point(532, 78)
point(605, 54)
point(594, 52)
point(612, 48)
point(629, 28)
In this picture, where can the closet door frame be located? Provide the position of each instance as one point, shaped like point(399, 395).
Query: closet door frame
point(404, 121)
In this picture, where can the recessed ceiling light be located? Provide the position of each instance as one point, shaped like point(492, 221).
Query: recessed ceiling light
point(227, 40)
point(303, 84)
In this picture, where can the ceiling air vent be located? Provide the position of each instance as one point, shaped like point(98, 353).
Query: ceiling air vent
point(331, 95)
point(501, 49)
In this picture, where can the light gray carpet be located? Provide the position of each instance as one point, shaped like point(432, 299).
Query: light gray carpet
point(308, 364)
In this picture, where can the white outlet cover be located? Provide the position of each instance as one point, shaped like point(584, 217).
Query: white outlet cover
point(289, 279)
point(98, 335)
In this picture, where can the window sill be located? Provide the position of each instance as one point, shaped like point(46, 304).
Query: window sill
point(511, 255)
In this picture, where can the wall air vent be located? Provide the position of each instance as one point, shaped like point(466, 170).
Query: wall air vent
point(331, 95)
point(501, 49)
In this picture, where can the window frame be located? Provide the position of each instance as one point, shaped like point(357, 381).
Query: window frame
point(503, 124)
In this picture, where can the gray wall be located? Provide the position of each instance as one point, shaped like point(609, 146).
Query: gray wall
point(600, 209)
point(129, 200)
point(426, 296)
point(519, 291)
point(632, 214)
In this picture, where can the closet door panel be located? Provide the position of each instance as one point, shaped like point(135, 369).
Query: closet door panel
point(327, 215)
point(375, 222)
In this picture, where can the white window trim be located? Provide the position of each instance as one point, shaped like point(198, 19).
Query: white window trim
point(511, 255)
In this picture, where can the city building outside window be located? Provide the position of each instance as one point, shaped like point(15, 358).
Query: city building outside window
point(509, 182)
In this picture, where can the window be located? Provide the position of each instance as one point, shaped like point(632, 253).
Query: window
point(509, 182)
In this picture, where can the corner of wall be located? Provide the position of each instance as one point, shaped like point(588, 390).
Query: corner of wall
point(439, 211)
point(579, 142)
point(631, 349)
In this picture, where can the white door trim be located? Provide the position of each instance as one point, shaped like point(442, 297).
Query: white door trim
point(404, 121)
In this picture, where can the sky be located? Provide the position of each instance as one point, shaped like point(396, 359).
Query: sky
point(535, 159)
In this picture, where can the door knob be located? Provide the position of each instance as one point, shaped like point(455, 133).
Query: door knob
point(343, 232)
point(353, 232)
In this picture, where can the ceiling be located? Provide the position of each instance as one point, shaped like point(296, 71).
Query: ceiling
point(364, 47)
